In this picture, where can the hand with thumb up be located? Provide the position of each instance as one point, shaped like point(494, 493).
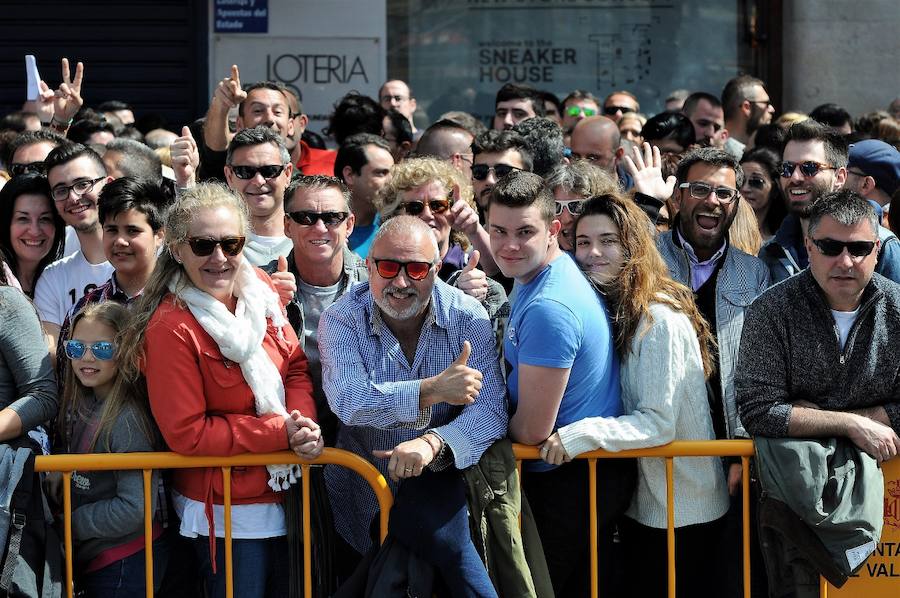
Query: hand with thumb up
point(284, 281)
point(185, 159)
point(473, 281)
point(457, 385)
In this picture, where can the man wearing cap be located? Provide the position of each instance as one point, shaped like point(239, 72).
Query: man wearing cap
point(873, 171)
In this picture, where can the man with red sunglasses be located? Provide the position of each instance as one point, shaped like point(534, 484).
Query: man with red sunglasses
point(409, 366)
point(814, 162)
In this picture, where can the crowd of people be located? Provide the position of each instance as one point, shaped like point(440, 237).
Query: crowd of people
point(575, 276)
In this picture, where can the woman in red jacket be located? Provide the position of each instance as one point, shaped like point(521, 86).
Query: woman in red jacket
point(225, 375)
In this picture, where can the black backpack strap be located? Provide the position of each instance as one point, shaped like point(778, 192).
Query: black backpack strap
point(18, 507)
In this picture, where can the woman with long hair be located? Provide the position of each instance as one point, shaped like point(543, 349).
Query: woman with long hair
point(225, 375)
point(761, 189)
point(32, 234)
point(665, 349)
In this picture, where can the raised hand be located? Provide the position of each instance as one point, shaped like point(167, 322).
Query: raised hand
point(285, 282)
point(185, 158)
point(646, 170)
point(68, 100)
point(471, 280)
point(457, 385)
point(229, 91)
point(461, 216)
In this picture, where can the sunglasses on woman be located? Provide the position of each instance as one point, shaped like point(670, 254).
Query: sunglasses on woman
point(388, 269)
point(102, 350)
point(204, 246)
point(415, 207)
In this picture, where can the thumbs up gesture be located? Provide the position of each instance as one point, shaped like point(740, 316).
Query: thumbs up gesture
point(471, 280)
point(284, 281)
point(185, 159)
point(457, 385)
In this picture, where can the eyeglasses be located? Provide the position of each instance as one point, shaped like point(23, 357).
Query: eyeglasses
point(308, 218)
point(61, 193)
point(20, 169)
point(701, 190)
point(480, 171)
point(807, 169)
point(764, 103)
point(414, 270)
point(756, 183)
point(576, 110)
point(611, 110)
point(204, 246)
point(575, 206)
point(248, 172)
point(102, 350)
point(833, 248)
point(394, 98)
point(414, 208)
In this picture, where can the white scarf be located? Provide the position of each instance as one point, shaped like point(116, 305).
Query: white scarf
point(239, 337)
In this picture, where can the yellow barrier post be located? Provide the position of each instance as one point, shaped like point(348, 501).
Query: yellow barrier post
point(307, 532)
point(670, 523)
point(67, 528)
point(226, 499)
point(148, 533)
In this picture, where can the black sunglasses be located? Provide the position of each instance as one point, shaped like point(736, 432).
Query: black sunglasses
point(807, 169)
point(756, 183)
point(248, 172)
point(611, 110)
point(308, 218)
point(391, 268)
point(480, 171)
point(833, 248)
point(20, 169)
point(204, 246)
point(415, 207)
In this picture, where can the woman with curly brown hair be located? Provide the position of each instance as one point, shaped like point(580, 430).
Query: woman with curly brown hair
point(665, 349)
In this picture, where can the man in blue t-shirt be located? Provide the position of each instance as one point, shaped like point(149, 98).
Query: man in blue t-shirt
point(562, 368)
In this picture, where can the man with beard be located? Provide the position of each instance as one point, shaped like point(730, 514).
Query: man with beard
point(409, 366)
point(814, 162)
point(704, 110)
point(747, 107)
point(725, 281)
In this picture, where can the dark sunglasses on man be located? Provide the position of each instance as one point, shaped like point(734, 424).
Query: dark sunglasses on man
point(309, 218)
point(480, 171)
point(807, 169)
point(20, 169)
point(833, 248)
point(611, 110)
point(389, 269)
point(248, 172)
point(204, 246)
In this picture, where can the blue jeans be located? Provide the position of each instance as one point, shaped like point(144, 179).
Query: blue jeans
point(125, 578)
point(260, 567)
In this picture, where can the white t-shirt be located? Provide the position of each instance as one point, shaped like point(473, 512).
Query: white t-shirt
point(844, 321)
point(261, 250)
point(248, 522)
point(72, 243)
point(64, 282)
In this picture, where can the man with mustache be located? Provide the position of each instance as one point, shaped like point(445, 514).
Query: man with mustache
point(409, 367)
point(814, 162)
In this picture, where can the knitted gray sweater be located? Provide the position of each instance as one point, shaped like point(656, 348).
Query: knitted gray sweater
point(790, 350)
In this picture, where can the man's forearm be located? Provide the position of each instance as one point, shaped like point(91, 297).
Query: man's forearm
point(215, 128)
point(819, 423)
point(877, 413)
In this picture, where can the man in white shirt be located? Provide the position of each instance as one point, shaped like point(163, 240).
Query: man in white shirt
point(76, 175)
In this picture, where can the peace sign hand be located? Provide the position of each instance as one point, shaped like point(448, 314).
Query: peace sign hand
point(68, 101)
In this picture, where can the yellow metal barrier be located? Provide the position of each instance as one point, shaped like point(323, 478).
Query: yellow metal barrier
point(147, 462)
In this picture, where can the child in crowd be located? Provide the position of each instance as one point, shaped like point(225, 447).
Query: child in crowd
point(101, 412)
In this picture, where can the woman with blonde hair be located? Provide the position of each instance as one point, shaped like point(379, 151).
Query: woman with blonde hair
point(225, 375)
point(665, 347)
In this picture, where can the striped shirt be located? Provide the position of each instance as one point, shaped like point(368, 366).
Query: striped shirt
point(374, 390)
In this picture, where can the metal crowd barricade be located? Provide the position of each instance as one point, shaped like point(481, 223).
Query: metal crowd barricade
point(147, 462)
point(682, 448)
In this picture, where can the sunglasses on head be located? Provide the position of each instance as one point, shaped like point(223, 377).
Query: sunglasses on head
point(391, 268)
point(309, 218)
point(575, 206)
point(20, 169)
point(248, 172)
point(480, 171)
point(102, 350)
point(204, 246)
point(611, 110)
point(833, 248)
point(416, 207)
point(576, 110)
point(807, 169)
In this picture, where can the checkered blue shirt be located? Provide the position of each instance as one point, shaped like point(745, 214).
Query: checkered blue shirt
point(374, 391)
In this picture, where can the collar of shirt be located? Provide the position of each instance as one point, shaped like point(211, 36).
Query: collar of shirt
point(438, 306)
point(700, 271)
